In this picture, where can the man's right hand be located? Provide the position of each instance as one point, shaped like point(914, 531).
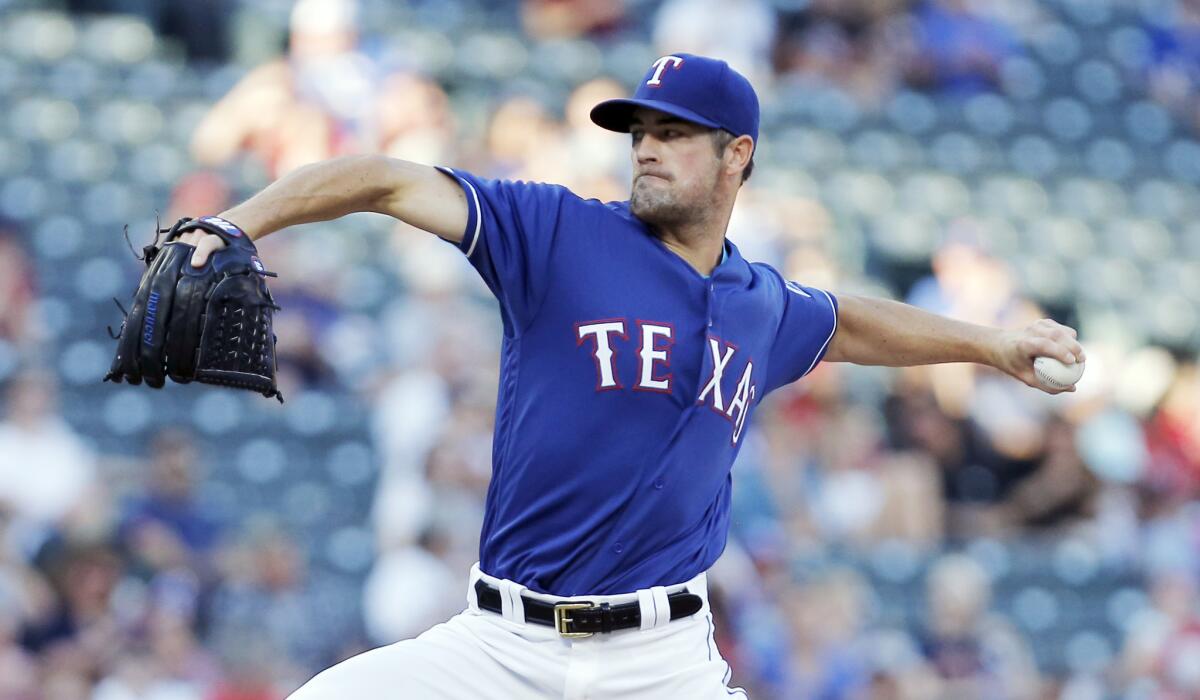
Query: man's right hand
point(206, 244)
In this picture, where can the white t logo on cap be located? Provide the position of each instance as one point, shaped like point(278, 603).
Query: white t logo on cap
point(661, 65)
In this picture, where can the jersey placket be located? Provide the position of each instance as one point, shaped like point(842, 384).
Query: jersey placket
point(619, 542)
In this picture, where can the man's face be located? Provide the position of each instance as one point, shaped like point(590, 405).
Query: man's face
point(675, 168)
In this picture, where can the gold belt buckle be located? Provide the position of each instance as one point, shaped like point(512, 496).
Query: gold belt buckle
point(561, 621)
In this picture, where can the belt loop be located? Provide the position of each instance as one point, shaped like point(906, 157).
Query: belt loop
point(472, 596)
point(511, 605)
point(647, 608)
point(699, 586)
point(662, 606)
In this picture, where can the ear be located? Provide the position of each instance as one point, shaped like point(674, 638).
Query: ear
point(737, 154)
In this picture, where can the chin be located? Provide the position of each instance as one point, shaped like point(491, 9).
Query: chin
point(657, 213)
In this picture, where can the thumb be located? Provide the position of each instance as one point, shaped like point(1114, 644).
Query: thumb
point(205, 248)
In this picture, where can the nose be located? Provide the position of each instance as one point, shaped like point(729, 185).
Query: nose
point(645, 150)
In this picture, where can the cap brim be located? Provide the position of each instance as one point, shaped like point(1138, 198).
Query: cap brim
point(617, 115)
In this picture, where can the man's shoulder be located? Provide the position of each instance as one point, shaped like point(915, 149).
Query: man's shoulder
point(555, 191)
point(765, 273)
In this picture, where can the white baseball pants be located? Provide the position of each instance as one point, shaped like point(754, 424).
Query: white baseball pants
point(480, 655)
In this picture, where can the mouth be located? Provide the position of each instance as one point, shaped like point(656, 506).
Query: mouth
point(652, 175)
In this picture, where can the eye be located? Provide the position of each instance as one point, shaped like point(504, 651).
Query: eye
point(637, 136)
point(672, 133)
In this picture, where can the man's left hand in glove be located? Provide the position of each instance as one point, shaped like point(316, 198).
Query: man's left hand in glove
point(203, 317)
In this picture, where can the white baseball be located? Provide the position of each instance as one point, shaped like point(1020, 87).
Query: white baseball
point(1055, 374)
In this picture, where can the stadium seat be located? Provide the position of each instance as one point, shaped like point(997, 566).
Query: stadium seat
point(1034, 156)
point(1035, 609)
point(1067, 119)
point(1147, 122)
point(85, 361)
point(1088, 652)
point(44, 37)
point(1108, 158)
point(1183, 160)
point(127, 411)
point(912, 112)
point(261, 461)
point(1021, 78)
point(350, 549)
point(1098, 82)
point(989, 114)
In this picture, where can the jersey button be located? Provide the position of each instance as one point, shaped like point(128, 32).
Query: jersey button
point(658, 484)
point(618, 548)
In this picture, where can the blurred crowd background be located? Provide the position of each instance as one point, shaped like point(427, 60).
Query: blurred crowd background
point(930, 533)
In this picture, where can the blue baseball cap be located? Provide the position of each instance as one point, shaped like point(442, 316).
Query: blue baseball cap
point(694, 88)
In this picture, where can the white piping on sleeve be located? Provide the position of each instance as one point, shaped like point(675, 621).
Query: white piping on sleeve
point(478, 219)
point(831, 332)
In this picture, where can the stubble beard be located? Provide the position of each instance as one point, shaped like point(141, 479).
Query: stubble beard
point(660, 207)
point(656, 208)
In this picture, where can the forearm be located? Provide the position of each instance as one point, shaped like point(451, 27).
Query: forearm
point(318, 192)
point(883, 332)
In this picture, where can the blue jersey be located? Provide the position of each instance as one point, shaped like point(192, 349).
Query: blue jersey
point(626, 383)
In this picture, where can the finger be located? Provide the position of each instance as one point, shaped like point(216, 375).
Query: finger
point(1062, 353)
point(1066, 337)
point(205, 248)
point(1047, 347)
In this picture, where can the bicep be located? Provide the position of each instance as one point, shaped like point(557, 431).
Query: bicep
point(424, 197)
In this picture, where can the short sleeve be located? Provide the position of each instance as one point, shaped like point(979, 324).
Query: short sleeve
point(807, 326)
point(512, 230)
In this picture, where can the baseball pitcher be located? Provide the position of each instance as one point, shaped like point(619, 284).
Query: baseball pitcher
point(638, 343)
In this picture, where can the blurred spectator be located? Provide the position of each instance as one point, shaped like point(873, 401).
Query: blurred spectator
point(968, 282)
point(524, 142)
point(1173, 437)
point(17, 295)
point(300, 364)
point(1060, 490)
point(959, 47)
point(415, 120)
point(828, 652)
point(411, 589)
point(81, 631)
point(138, 676)
point(977, 654)
point(202, 27)
point(1162, 645)
point(314, 104)
point(1173, 64)
point(567, 19)
point(166, 528)
point(46, 471)
point(296, 621)
point(197, 194)
point(23, 596)
point(601, 157)
point(739, 31)
point(853, 45)
point(971, 472)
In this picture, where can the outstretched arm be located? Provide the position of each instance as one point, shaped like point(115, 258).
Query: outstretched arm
point(883, 332)
point(419, 195)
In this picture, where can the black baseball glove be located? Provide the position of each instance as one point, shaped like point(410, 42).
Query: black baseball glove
point(210, 324)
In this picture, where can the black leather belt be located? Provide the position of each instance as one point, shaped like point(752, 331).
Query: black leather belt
point(577, 618)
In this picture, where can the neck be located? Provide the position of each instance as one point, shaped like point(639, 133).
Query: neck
point(699, 243)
